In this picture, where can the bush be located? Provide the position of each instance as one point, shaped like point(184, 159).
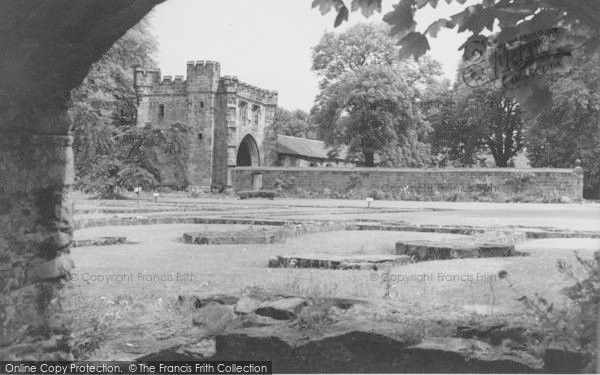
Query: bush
point(245, 194)
point(575, 325)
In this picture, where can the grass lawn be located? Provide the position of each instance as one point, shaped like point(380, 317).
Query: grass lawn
point(123, 301)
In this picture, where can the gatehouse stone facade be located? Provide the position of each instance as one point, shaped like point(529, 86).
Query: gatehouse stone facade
point(231, 121)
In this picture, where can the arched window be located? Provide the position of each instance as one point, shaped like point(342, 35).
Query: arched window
point(255, 115)
point(161, 111)
point(243, 112)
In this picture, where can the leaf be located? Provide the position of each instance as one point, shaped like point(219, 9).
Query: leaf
point(324, 5)
point(436, 26)
point(414, 44)
point(474, 18)
point(509, 14)
point(474, 47)
point(542, 21)
point(507, 34)
point(367, 7)
point(422, 3)
point(401, 18)
point(341, 16)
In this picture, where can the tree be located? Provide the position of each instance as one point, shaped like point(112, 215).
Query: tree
point(143, 149)
point(346, 61)
point(472, 120)
point(360, 45)
point(575, 22)
point(371, 111)
point(106, 101)
point(570, 129)
point(368, 44)
point(294, 123)
point(110, 150)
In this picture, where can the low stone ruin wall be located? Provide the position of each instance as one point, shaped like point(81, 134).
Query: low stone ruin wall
point(457, 184)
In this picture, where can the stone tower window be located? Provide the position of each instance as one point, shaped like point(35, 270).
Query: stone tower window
point(161, 111)
point(201, 104)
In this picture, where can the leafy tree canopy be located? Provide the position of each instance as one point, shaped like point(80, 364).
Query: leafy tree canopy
point(294, 123)
point(576, 23)
point(110, 150)
point(570, 129)
point(368, 44)
point(370, 110)
point(468, 122)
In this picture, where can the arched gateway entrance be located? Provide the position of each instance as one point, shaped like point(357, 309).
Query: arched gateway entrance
point(247, 154)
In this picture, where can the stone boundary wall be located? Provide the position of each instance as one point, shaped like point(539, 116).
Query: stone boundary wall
point(456, 184)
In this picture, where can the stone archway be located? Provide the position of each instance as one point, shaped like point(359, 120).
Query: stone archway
point(48, 48)
point(248, 154)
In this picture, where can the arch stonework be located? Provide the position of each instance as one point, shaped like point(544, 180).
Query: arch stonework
point(248, 153)
point(48, 48)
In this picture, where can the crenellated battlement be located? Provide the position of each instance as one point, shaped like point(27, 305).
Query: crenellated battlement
point(204, 64)
point(203, 75)
point(246, 90)
point(146, 77)
point(151, 78)
point(203, 71)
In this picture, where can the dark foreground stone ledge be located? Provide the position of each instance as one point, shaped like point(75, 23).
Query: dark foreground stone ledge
point(259, 325)
point(370, 347)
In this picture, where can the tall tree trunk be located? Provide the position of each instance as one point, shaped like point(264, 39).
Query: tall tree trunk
point(502, 161)
point(369, 159)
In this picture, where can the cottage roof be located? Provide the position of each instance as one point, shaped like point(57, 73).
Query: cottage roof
point(306, 147)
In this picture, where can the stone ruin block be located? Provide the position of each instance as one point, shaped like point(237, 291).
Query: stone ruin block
point(335, 262)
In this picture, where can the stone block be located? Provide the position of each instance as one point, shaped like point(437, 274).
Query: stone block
point(59, 267)
point(282, 309)
point(214, 316)
point(246, 305)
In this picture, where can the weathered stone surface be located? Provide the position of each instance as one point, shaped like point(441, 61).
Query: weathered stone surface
point(45, 55)
point(351, 261)
point(272, 232)
point(426, 183)
point(428, 250)
point(55, 348)
point(240, 237)
point(253, 320)
point(496, 332)
point(246, 305)
point(468, 355)
point(348, 347)
point(214, 316)
point(100, 241)
point(56, 268)
point(201, 301)
point(560, 359)
point(282, 309)
point(202, 350)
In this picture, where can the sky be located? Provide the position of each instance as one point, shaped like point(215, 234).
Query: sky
point(267, 43)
